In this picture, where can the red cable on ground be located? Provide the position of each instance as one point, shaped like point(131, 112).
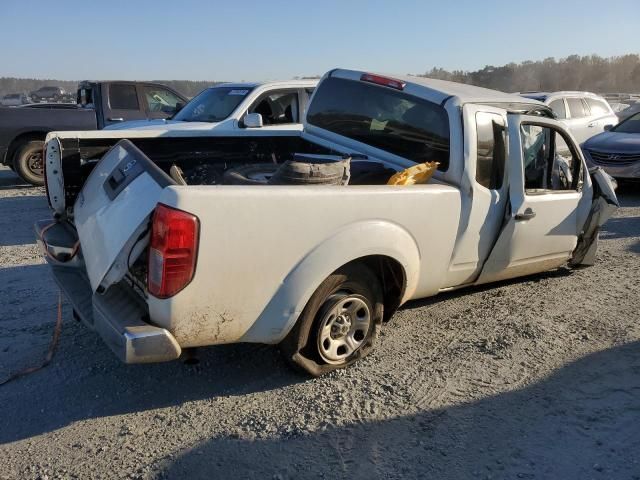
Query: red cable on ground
point(52, 348)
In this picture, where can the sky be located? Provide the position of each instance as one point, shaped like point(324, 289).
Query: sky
point(279, 39)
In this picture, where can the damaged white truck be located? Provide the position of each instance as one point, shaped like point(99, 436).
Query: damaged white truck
point(159, 260)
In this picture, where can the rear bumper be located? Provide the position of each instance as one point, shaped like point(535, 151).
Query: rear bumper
point(118, 315)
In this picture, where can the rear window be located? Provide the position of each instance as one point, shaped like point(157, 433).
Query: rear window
point(384, 118)
point(123, 97)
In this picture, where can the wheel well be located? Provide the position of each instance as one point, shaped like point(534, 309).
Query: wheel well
point(392, 277)
point(17, 142)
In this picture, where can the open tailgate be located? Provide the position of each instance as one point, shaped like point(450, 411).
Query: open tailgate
point(112, 212)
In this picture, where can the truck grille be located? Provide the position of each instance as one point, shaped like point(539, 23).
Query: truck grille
point(614, 159)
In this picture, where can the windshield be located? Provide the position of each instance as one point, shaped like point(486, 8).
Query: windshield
point(213, 104)
point(630, 125)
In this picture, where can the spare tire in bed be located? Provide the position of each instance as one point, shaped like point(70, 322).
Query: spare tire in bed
point(313, 170)
point(252, 174)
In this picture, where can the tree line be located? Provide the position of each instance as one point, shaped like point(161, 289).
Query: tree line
point(189, 88)
point(592, 73)
point(587, 73)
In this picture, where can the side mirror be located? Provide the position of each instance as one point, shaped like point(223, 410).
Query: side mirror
point(179, 106)
point(252, 120)
point(608, 127)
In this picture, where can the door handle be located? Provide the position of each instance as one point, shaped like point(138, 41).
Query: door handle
point(591, 125)
point(116, 119)
point(528, 214)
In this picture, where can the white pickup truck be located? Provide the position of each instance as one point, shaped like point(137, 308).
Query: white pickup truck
point(157, 268)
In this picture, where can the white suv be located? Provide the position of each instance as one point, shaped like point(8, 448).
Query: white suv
point(585, 114)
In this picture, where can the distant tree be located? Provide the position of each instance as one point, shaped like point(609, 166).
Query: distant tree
point(591, 72)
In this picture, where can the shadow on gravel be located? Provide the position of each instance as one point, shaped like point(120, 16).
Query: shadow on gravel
point(558, 273)
point(580, 422)
point(86, 381)
point(9, 180)
point(629, 194)
point(18, 215)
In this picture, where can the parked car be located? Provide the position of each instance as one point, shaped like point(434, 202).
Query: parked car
point(157, 266)
point(14, 99)
point(629, 111)
point(22, 131)
point(618, 150)
point(47, 93)
point(584, 114)
point(236, 106)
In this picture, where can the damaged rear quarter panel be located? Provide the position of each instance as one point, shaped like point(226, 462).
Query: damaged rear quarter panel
point(253, 238)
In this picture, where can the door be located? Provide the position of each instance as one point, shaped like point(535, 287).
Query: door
point(160, 102)
point(578, 120)
point(601, 115)
point(123, 103)
point(484, 191)
point(549, 201)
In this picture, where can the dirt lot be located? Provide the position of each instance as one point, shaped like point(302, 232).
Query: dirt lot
point(536, 378)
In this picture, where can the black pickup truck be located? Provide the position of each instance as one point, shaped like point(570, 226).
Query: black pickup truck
point(23, 129)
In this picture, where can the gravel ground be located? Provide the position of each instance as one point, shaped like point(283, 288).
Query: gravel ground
point(535, 378)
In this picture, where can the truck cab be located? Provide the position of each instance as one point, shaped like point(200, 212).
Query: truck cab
point(99, 104)
point(120, 101)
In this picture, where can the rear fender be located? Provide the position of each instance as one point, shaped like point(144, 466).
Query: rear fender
point(355, 241)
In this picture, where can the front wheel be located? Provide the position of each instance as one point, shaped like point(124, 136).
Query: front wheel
point(339, 324)
point(28, 162)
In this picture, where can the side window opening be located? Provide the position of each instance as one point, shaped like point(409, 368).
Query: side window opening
point(123, 97)
point(577, 107)
point(161, 100)
point(549, 163)
point(278, 108)
point(490, 150)
point(559, 109)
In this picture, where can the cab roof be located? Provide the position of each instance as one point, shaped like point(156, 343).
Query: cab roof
point(279, 84)
point(439, 91)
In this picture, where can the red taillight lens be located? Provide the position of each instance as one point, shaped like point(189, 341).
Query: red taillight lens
point(385, 81)
point(172, 251)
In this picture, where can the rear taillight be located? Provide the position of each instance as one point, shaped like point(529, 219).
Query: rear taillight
point(44, 169)
point(385, 81)
point(172, 251)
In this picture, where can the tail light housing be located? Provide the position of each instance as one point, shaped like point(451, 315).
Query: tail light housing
point(172, 251)
point(44, 169)
point(384, 81)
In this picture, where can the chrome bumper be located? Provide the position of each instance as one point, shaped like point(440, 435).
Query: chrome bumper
point(118, 314)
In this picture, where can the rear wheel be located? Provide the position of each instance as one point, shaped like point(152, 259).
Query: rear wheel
point(28, 162)
point(339, 324)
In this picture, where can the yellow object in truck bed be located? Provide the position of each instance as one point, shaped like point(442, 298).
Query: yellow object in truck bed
point(420, 173)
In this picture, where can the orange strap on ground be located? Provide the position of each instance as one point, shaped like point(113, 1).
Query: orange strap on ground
point(52, 348)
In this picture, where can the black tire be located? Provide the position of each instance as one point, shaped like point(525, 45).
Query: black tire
point(28, 162)
point(303, 347)
point(253, 174)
